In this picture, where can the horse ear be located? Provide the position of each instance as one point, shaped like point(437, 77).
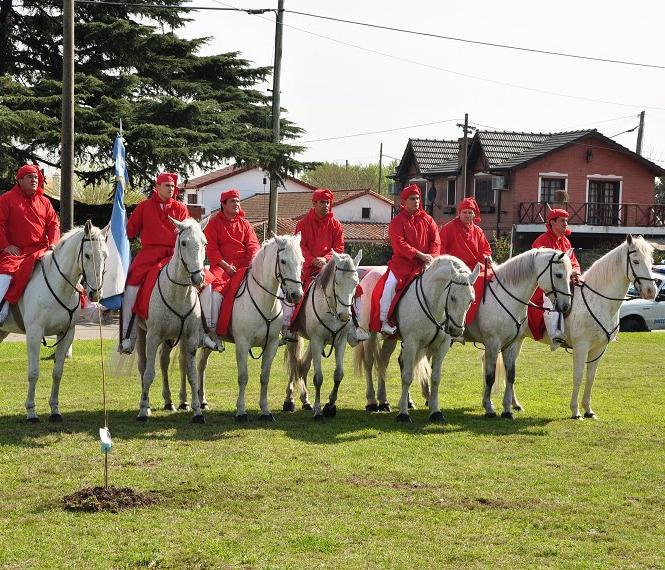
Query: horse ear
point(560, 256)
point(629, 239)
point(298, 237)
point(204, 222)
point(569, 253)
point(178, 224)
point(105, 230)
point(335, 255)
point(474, 274)
point(87, 227)
point(358, 258)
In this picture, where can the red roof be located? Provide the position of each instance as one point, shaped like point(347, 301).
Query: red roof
point(228, 172)
point(353, 231)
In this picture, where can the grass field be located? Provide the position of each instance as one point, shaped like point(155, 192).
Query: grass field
point(360, 490)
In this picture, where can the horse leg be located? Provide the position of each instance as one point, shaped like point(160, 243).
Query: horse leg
point(509, 359)
point(387, 349)
point(241, 362)
point(437, 362)
point(316, 346)
point(164, 361)
point(368, 350)
point(188, 363)
point(330, 409)
point(202, 364)
point(591, 369)
point(151, 345)
point(304, 371)
point(33, 338)
point(491, 354)
point(58, 366)
point(408, 361)
point(266, 365)
point(580, 353)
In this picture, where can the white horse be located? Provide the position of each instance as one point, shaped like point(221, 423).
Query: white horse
point(174, 316)
point(430, 311)
point(257, 315)
point(594, 318)
point(501, 320)
point(323, 319)
point(51, 304)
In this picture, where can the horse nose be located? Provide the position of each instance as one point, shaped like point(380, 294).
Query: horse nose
point(344, 315)
point(197, 278)
point(296, 296)
point(94, 295)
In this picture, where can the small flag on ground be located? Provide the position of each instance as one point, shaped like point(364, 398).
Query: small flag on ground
point(117, 263)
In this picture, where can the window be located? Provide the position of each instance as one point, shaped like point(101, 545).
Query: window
point(192, 199)
point(365, 213)
point(450, 198)
point(549, 188)
point(483, 190)
point(603, 207)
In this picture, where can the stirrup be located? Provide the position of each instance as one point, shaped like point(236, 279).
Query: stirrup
point(286, 335)
point(387, 329)
point(211, 343)
point(126, 346)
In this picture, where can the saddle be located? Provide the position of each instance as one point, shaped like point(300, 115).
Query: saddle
point(374, 320)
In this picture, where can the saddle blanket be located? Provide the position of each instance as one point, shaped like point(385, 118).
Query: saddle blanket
point(375, 307)
point(479, 289)
point(226, 310)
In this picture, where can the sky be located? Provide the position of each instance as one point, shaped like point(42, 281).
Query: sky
point(340, 79)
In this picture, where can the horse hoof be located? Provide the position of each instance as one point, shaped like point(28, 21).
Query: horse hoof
point(55, 418)
point(169, 407)
point(319, 418)
point(307, 406)
point(288, 406)
point(404, 419)
point(490, 414)
point(590, 415)
point(142, 419)
point(205, 406)
point(577, 417)
point(385, 407)
point(518, 408)
point(34, 420)
point(412, 406)
point(184, 406)
point(437, 418)
point(507, 415)
point(267, 418)
point(200, 419)
point(329, 411)
point(427, 403)
point(242, 418)
point(371, 408)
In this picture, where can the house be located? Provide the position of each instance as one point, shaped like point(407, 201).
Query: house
point(204, 191)
point(364, 214)
point(607, 188)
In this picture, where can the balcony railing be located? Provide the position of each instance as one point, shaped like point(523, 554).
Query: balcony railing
point(598, 214)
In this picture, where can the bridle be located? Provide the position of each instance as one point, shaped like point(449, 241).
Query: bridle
point(182, 260)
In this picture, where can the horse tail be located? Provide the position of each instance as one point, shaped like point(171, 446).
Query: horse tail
point(499, 375)
point(366, 354)
point(293, 358)
point(122, 365)
point(422, 372)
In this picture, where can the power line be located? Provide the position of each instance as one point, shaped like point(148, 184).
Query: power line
point(251, 11)
point(477, 42)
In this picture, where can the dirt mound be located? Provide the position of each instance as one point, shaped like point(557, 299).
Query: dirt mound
point(96, 499)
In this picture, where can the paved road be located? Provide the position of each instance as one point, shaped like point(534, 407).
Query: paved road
point(84, 331)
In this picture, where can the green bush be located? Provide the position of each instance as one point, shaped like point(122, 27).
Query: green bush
point(373, 253)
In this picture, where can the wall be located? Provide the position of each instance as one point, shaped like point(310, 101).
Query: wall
point(351, 211)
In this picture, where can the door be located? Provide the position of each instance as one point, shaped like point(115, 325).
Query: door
point(603, 207)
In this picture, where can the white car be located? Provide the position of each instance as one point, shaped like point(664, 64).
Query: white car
point(640, 315)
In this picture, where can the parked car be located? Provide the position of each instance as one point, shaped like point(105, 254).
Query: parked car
point(640, 315)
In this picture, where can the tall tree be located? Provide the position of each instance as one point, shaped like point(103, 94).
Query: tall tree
point(343, 177)
point(179, 110)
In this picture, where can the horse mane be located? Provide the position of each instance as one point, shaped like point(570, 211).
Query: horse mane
point(325, 275)
point(518, 268)
point(95, 233)
point(603, 270)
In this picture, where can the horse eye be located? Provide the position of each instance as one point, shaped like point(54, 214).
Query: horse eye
point(636, 262)
point(453, 298)
point(183, 243)
point(282, 262)
point(87, 256)
point(559, 275)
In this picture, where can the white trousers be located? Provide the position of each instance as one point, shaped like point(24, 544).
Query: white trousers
point(287, 310)
point(553, 319)
point(211, 303)
point(387, 296)
point(128, 300)
point(5, 281)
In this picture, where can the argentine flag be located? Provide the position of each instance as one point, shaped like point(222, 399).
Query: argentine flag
point(117, 263)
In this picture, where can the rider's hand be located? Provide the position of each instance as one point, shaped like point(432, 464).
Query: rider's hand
point(319, 261)
point(575, 278)
point(426, 258)
point(12, 250)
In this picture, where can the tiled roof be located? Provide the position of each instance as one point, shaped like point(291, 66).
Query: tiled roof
point(353, 231)
point(430, 153)
point(294, 205)
point(227, 172)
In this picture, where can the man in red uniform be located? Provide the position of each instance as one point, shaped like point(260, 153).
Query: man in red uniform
point(462, 238)
point(232, 244)
point(29, 227)
point(556, 237)
point(414, 238)
point(150, 222)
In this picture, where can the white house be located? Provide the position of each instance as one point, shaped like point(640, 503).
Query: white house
point(205, 190)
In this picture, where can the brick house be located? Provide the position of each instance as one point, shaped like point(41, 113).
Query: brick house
point(607, 188)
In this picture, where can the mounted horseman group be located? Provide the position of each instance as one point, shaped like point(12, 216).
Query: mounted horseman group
point(440, 286)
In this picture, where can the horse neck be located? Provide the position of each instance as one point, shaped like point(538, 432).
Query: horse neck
point(264, 273)
point(434, 286)
point(67, 259)
point(523, 288)
point(179, 273)
point(608, 276)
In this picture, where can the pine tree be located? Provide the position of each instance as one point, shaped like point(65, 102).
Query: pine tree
point(179, 110)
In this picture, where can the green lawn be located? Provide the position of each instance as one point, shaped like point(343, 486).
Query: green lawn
point(360, 490)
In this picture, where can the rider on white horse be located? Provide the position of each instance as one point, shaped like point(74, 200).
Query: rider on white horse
point(414, 238)
point(555, 237)
point(29, 227)
point(150, 222)
point(232, 244)
point(320, 234)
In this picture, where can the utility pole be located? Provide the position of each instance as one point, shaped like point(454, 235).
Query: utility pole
point(465, 126)
point(67, 141)
point(277, 67)
point(640, 134)
point(380, 165)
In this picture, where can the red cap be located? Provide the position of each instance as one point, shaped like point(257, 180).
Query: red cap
point(557, 213)
point(470, 204)
point(409, 190)
point(228, 194)
point(31, 169)
point(322, 194)
point(168, 177)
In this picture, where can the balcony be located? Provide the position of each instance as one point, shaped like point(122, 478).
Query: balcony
point(599, 214)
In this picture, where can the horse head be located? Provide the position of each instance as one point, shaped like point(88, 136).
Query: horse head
point(342, 277)
point(191, 248)
point(459, 296)
point(554, 270)
point(92, 258)
point(288, 266)
point(639, 261)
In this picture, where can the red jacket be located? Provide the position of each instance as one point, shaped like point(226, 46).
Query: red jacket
point(31, 224)
point(150, 222)
point(467, 243)
point(319, 237)
point(562, 243)
point(410, 234)
point(233, 241)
